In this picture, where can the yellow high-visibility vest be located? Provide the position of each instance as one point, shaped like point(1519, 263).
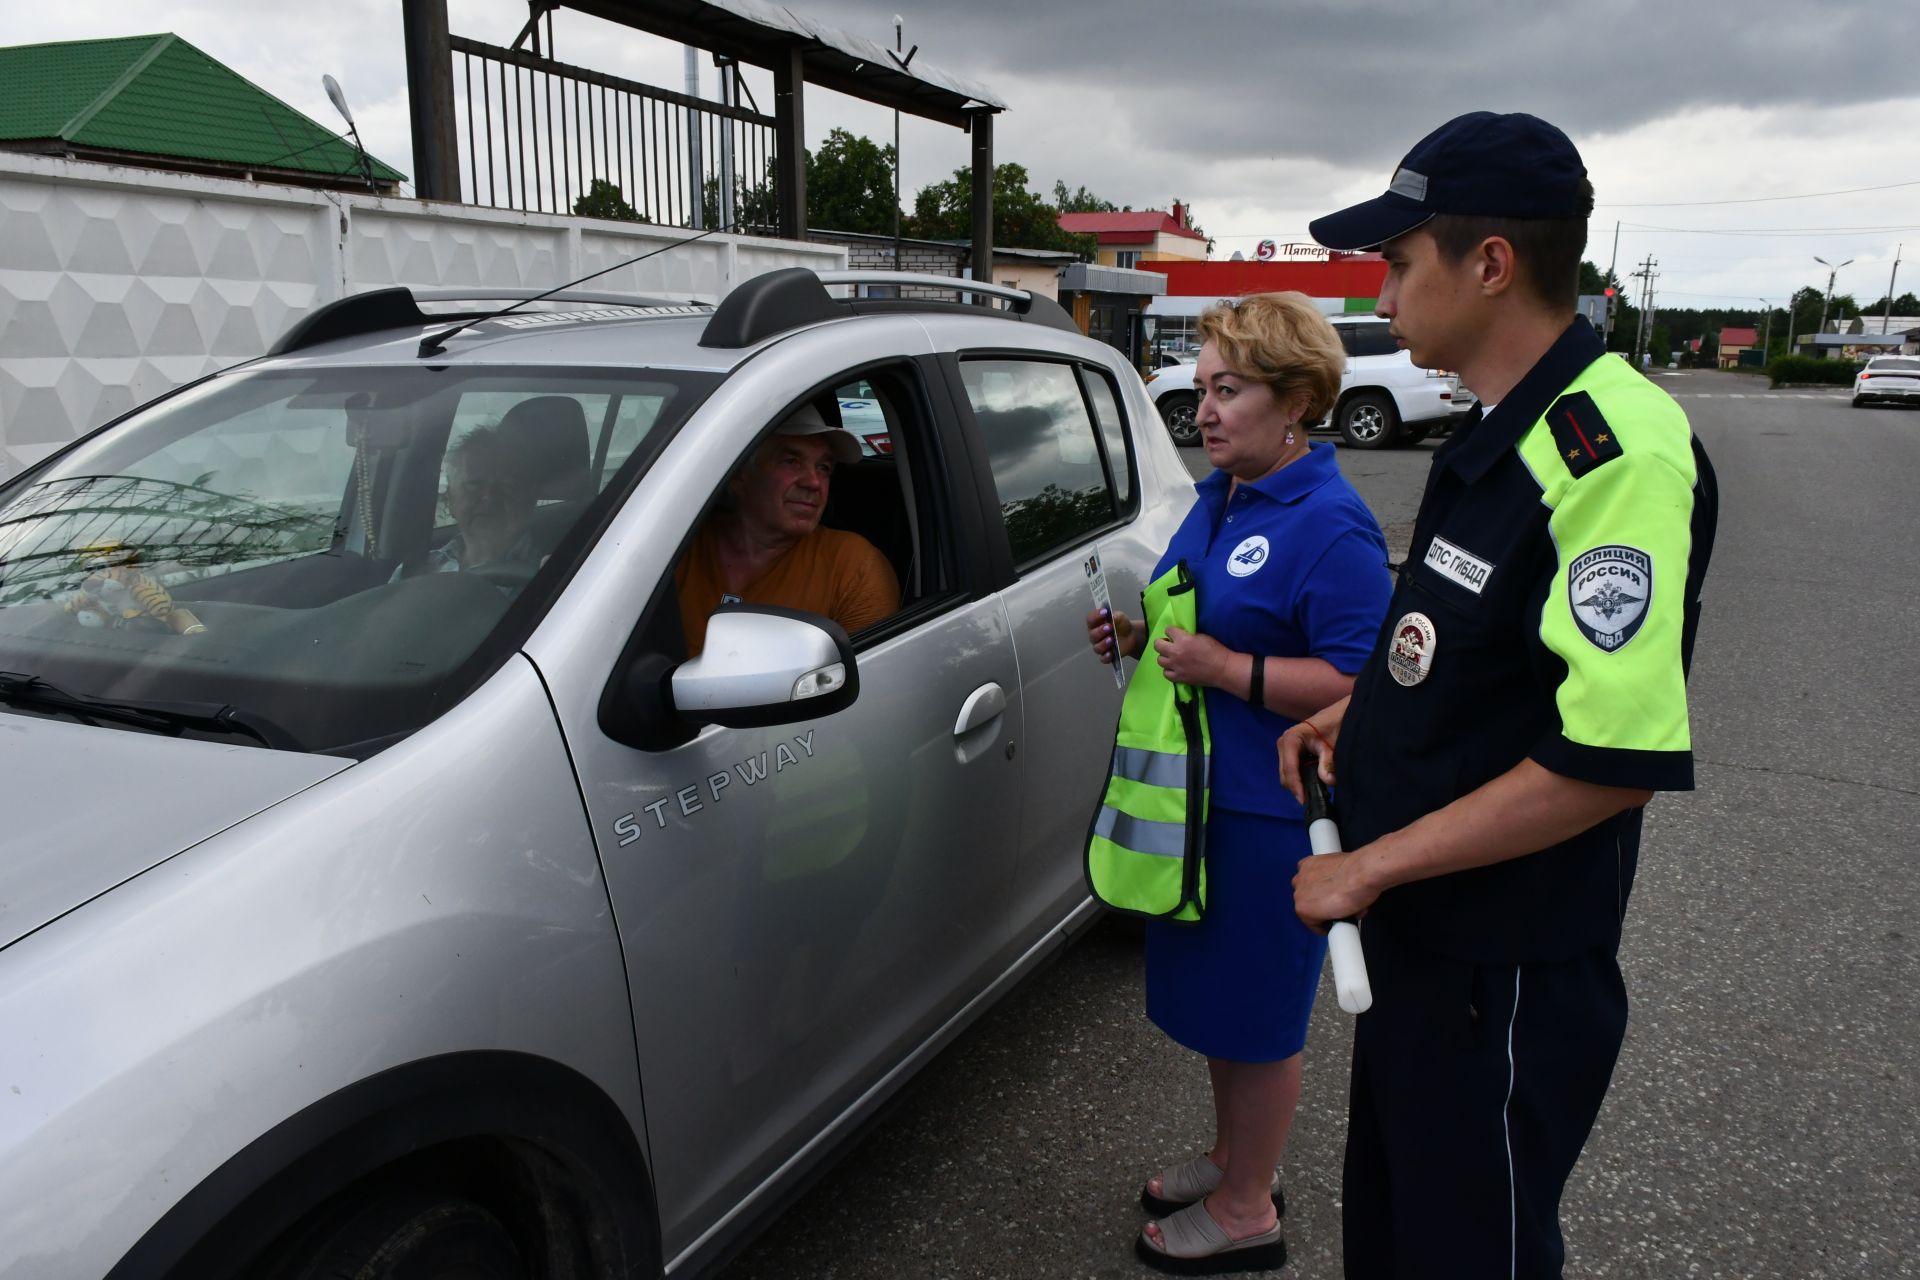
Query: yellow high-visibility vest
point(1146, 848)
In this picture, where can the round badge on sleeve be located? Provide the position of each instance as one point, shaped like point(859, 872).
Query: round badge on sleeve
point(1248, 556)
point(1410, 652)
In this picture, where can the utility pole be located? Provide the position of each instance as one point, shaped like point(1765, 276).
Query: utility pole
point(728, 72)
point(1612, 286)
point(1886, 317)
point(1766, 343)
point(696, 163)
point(1652, 313)
point(1645, 332)
point(1832, 271)
point(899, 43)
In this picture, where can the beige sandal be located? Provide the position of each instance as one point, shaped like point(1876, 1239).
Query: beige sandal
point(1184, 1183)
point(1193, 1244)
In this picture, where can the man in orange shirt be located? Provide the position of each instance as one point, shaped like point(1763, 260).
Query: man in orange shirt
point(766, 546)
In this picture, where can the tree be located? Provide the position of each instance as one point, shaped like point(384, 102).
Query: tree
point(1626, 316)
point(1080, 200)
point(1904, 305)
point(754, 207)
point(1803, 312)
point(1021, 219)
point(850, 185)
point(1594, 280)
point(604, 200)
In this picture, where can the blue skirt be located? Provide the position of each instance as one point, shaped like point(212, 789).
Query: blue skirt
point(1240, 984)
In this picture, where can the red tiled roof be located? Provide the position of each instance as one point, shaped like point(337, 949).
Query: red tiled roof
point(1738, 337)
point(1110, 226)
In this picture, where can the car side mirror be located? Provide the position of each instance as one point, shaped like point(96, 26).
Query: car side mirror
point(764, 665)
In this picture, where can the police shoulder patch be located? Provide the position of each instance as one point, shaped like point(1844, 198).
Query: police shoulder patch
point(1608, 590)
point(1582, 435)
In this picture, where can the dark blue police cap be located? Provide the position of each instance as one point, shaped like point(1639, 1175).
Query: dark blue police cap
point(1508, 166)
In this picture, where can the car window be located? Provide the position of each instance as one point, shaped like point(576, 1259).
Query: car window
point(1046, 460)
point(1106, 411)
point(886, 500)
point(339, 551)
point(1886, 365)
point(1369, 340)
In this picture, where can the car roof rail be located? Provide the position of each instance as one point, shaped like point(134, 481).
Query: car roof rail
point(957, 284)
point(1022, 304)
point(783, 300)
point(598, 298)
point(399, 308)
point(350, 317)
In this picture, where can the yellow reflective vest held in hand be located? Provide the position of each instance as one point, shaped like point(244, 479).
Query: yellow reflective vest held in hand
point(1146, 850)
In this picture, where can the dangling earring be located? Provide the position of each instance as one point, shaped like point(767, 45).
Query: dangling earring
point(1289, 439)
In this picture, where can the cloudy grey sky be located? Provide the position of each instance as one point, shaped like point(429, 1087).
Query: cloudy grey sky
point(1262, 115)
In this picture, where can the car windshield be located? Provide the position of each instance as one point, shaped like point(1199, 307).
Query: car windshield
point(1889, 365)
point(340, 554)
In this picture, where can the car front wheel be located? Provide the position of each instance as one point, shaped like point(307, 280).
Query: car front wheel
point(1177, 410)
point(394, 1233)
point(1368, 421)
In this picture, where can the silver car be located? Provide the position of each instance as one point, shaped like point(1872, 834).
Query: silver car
point(359, 900)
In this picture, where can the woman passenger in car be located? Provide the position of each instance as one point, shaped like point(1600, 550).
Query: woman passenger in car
point(491, 501)
point(1292, 583)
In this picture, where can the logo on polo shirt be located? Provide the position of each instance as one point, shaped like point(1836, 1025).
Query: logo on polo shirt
point(1248, 556)
point(1609, 589)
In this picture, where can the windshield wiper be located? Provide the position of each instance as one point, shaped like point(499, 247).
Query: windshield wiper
point(172, 718)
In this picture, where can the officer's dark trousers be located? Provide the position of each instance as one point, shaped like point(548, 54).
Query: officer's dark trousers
point(1474, 1088)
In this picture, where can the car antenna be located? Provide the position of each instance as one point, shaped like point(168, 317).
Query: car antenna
point(433, 343)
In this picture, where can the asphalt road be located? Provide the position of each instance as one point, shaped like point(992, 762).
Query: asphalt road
point(1762, 1121)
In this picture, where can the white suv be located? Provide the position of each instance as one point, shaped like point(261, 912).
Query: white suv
point(1384, 398)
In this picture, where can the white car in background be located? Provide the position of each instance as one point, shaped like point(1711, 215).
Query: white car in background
point(1892, 379)
point(863, 418)
point(1385, 399)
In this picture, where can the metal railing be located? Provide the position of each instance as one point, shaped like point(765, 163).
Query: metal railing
point(544, 137)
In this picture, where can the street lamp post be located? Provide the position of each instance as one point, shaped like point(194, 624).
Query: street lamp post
point(339, 99)
point(1886, 315)
point(1832, 271)
point(1766, 342)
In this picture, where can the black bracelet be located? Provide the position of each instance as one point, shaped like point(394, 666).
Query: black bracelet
point(1257, 687)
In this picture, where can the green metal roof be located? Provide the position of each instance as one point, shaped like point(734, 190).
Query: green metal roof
point(158, 95)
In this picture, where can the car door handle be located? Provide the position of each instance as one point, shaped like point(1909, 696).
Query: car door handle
point(982, 705)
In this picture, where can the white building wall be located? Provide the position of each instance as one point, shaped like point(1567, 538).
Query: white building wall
point(118, 284)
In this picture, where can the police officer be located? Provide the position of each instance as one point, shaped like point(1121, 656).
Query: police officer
point(1525, 698)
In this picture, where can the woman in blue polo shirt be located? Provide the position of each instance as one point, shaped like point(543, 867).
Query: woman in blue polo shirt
point(1292, 581)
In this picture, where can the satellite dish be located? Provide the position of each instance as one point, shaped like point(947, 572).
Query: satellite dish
point(338, 98)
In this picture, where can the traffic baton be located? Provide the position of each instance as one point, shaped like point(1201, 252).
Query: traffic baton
point(1343, 939)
